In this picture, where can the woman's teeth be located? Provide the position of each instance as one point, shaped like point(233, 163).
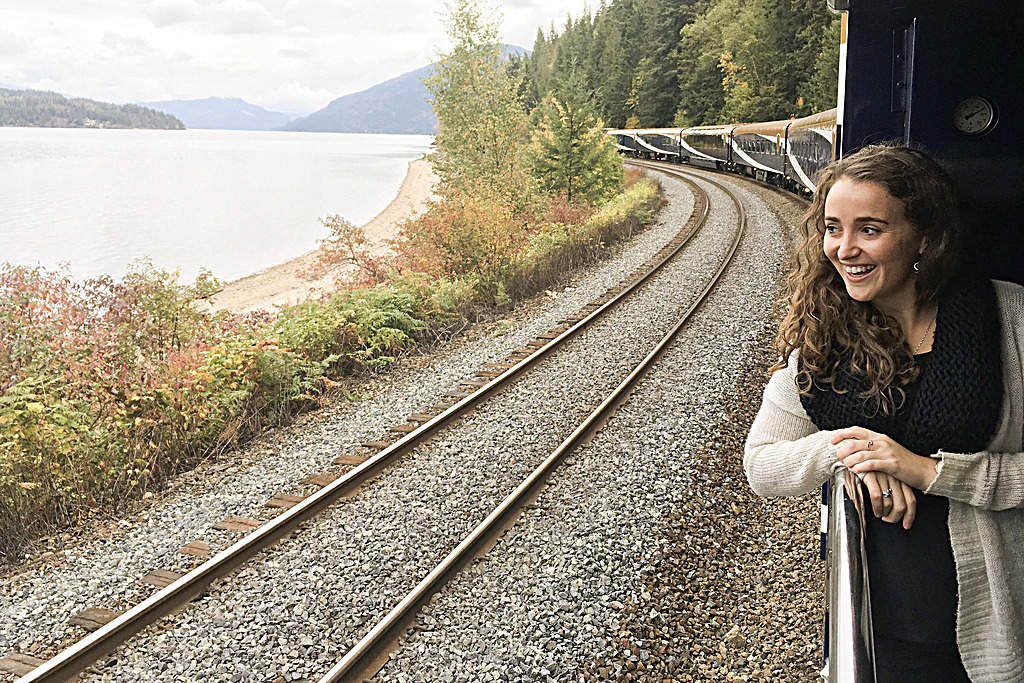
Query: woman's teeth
point(858, 270)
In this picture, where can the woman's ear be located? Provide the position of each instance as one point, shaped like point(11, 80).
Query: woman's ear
point(924, 245)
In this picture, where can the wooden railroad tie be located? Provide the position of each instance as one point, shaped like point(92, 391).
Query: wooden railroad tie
point(20, 664)
point(284, 500)
point(404, 429)
point(94, 618)
point(321, 480)
point(196, 549)
point(161, 578)
point(237, 524)
point(353, 459)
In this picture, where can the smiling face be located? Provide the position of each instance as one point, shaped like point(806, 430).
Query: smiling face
point(870, 242)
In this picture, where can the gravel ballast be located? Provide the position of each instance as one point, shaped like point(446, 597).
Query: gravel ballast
point(374, 548)
point(648, 558)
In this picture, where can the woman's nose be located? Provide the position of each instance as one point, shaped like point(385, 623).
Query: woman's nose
point(848, 247)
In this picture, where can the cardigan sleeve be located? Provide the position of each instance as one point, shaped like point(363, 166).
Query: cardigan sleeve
point(994, 479)
point(785, 454)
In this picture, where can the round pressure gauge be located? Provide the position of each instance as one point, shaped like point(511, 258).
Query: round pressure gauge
point(974, 115)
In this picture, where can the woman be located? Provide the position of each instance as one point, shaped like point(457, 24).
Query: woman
point(900, 365)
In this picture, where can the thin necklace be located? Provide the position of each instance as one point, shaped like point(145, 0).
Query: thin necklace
point(930, 323)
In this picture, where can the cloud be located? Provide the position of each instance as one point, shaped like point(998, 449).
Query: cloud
point(126, 46)
point(281, 54)
point(292, 96)
point(164, 13)
point(11, 44)
point(243, 16)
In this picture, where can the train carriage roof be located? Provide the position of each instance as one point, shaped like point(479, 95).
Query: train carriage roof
point(769, 129)
point(720, 129)
point(658, 131)
point(825, 119)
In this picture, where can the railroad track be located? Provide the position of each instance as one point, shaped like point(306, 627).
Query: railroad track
point(476, 393)
point(798, 200)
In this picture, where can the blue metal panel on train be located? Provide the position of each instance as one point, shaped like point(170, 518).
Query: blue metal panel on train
point(762, 151)
point(944, 74)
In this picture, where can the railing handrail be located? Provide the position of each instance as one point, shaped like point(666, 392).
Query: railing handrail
point(851, 655)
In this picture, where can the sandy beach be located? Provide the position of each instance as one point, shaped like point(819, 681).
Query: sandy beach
point(279, 285)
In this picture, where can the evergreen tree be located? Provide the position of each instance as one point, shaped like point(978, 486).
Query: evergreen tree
point(520, 71)
point(699, 55)
point(657, 98)
point(821, 90)
point(615, 74)
point(571, 155)
point(541, 64)
point(690, 62)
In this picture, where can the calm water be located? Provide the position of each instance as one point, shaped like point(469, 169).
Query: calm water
point(230, 201)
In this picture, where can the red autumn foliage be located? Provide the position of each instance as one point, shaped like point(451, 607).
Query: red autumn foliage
point(466, 232)
point(349, 254)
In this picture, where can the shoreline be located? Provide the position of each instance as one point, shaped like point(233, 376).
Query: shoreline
point(278, 286)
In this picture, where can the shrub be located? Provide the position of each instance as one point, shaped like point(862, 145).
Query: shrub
point(109, 386)
point(359, 328)
point(465, 234)
point(559, 247)
point(348, 252)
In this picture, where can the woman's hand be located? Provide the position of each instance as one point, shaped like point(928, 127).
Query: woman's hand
point(866, 451)
point(900, 503)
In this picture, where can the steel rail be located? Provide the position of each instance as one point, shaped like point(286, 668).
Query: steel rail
point(668, 165)
point(358, 660)
point(74, 659)
point(851, 657)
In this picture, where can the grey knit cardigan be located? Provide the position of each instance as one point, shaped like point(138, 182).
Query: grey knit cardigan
point(787, 455)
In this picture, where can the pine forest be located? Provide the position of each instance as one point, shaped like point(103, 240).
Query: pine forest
point(657, 63)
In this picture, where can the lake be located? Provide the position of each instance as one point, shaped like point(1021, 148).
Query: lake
point(233, 202)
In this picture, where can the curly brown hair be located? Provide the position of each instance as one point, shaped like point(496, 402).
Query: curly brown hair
point(824, 323)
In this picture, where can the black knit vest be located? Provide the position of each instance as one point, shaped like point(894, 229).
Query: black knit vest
point(959, 395)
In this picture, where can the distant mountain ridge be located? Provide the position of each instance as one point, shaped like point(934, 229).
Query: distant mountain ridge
point(400, 105)
point(226, 113)
point(37, 108)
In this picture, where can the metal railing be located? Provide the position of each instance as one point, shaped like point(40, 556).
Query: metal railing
point(850, 654)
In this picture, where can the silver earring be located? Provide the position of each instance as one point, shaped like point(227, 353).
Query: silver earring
point(917, 266)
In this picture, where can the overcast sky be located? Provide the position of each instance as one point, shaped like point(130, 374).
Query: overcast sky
point(285, 55)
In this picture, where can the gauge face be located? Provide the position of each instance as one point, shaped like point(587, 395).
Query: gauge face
point(974, 116)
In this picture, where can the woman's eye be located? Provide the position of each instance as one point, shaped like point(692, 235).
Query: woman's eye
point(831, 229)
point(868, 230)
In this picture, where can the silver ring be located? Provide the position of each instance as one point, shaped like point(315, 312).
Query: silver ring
point(870, 443)
point(887, 493)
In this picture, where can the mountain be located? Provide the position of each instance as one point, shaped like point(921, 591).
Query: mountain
point(222, 112)
point(399, 105)
point(51, 110)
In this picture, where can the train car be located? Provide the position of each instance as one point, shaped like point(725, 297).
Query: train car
point(625, 140)
point(662, 143)
point(707, 146)
point(789, 153)
point(759, 150)
point(810, 147)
